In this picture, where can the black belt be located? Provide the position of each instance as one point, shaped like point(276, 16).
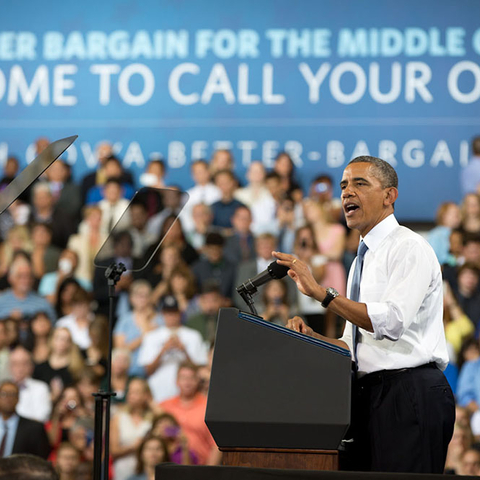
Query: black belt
point(375, 378)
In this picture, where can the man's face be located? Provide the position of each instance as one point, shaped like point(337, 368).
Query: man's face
point(173, 318)
point(365, 202)
point(225, 183)
point(210, 302)
point(68, 460)
point(21, 278)
point(200, 173)
point(264, 247)
point(470, 463)
point(187, 381)
point(241, 220)
point(8, 399)
point(471, 252)
point(20, 365)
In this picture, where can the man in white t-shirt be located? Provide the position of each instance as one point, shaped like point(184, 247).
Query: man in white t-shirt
point(164, 349)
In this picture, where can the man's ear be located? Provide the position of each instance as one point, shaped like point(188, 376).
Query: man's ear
point(391, 195)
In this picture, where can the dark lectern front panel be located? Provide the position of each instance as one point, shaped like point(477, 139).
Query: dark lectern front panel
point(273, 388)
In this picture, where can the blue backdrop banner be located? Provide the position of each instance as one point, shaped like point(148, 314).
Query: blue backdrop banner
point(324, 80)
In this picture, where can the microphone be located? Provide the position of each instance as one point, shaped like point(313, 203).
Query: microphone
point(273, 272)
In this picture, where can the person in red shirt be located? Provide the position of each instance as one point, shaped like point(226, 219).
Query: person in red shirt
point(189, 409)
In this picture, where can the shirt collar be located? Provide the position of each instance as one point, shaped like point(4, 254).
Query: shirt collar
point(379, 232)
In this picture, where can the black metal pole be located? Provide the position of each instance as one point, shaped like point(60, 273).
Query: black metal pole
point(103, 398)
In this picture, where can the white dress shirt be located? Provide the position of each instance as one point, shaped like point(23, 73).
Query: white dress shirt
point(34, 400)
point(163, 382)
point(402, 288)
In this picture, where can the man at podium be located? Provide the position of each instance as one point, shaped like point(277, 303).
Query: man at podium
point(403, 407)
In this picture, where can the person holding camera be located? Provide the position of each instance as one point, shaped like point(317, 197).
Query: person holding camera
point(189, 407)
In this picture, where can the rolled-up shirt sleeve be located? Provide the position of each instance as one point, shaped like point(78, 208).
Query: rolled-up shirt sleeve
point(393, 304)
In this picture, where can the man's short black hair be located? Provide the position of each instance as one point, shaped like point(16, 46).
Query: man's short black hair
point(384, 171)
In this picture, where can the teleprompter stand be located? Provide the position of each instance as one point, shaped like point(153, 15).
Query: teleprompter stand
point(103, 398)
point(107, 258)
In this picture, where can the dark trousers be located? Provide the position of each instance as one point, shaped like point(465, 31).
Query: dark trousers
point(402, 421)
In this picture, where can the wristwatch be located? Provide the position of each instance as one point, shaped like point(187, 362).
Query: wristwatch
point(331, 294)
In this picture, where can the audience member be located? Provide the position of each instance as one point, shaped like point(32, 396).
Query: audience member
point(44, 211)
point(18, 240)
point(265, 244)
point(173, 201)
point(172, 234)
point(275, 300)
point(214, 267)
point(99, 177)
point(34, 397)
point(205, 321)
point(151, 452)
point(66, 410)
point(182, 286)
point(44, 255)
point(461, 441)
point(26, 467)
point(113, 171)
point(132, 326)
point(165, 348)
point(448, 219)
point(470, 175)
point(321, 191)
point(97, 353)
point(142, 238)
point(68, 460)
point(120, 375)
point(330, 238)
point(10, 171)
point(306, 250)
point(67, 268)
point(471, 213)
point(258, 199)
point(5, 353)
point(88, 241)
point(63, 365)
point(65, 293)
point(128, 428)
point(167, 428)
point(466, 293)
point(189, 407)
point(202, 218)
point(240, 245)
point(113, 206)
point(285, 168)
point(66, 193)
point(122, 253)
point(470, 463)
point(222, 159)
point(224, 208)
point(19, 434)
point(286, 224)
point(78, 321)
point(39, 344)
point(204, 191)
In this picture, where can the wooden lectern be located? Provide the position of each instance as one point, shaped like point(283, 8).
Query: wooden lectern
point(277, 398)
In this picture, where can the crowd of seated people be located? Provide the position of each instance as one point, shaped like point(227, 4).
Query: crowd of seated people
point(54, 302)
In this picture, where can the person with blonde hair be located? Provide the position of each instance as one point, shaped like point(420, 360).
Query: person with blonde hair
point(63, 365)
point(129, 426)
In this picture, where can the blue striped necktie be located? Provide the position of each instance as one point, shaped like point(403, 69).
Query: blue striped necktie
point(355, 290)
